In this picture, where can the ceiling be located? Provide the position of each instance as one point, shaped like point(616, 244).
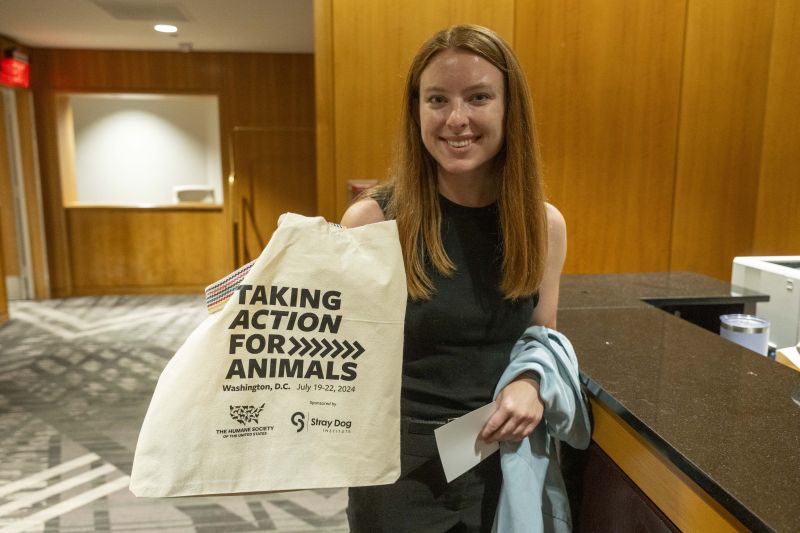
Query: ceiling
point(208, 25)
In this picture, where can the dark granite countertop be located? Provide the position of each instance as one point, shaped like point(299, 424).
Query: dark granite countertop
point(637, 290)
point(722, 414)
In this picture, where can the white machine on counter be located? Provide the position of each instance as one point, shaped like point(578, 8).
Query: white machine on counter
point(778, 276)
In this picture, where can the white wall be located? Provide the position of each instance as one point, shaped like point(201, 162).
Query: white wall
point(132, 149)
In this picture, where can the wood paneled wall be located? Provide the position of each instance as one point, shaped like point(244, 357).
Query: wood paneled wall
point(3, 294)
point(278, 160)
point(273, 92)
point(8, 237)
point(133, 250)
point(605, 77)
point(726, 66)
point(28, 152)
point(777, 225)
point(327, 182)
point(668, 129)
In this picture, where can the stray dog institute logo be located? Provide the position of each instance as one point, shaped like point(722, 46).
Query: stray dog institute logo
point(298, 420)
point(245, 414)
point(324, 425)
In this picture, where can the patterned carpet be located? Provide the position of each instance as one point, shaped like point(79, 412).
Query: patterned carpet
point(76, 377)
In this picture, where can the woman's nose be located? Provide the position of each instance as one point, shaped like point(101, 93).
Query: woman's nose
point(458, 117)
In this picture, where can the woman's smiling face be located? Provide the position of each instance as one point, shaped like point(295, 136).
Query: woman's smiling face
point(461, 110)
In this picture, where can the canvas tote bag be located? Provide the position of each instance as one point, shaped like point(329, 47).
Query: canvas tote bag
point(295, 382)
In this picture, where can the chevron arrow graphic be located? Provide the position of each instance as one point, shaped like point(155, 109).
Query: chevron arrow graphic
point(317, 347)
point(295, 346)
point(338, 349)
point(306, 346)
point(349, 349)
point(359, 349)
point(328, 348)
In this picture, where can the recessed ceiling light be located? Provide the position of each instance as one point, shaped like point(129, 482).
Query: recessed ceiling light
point(165, 28)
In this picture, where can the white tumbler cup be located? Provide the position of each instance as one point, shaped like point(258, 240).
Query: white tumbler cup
point(749, 331)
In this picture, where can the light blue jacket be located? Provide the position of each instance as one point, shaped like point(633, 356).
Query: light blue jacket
point(533, 497)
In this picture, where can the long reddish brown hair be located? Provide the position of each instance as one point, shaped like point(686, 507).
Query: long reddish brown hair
point(412, 191)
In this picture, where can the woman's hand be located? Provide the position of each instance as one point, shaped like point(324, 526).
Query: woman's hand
point(519, 411)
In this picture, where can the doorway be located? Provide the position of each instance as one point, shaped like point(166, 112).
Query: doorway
point(273, 171)
point(14, 227)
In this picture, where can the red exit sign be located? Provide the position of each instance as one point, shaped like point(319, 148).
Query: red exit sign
point(14, 69)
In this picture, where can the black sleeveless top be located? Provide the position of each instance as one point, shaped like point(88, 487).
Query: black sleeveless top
point(458, 343)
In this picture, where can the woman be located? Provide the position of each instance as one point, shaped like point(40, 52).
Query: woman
point(483, 255)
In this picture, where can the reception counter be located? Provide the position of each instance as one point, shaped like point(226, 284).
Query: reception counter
point(708, 431)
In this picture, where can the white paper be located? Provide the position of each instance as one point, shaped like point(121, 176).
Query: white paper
point(460, 448)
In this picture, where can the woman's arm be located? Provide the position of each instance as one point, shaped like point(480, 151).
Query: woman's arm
point(361, 213)
point(519, 407)
point(546, 311)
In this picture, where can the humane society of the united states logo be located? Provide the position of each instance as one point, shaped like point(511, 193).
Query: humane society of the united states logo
point(245, 414)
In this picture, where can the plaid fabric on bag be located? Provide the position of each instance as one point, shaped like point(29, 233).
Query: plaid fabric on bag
point(218, 293)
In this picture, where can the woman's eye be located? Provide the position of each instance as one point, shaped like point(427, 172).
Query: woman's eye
point(480, 97)
point(436, 100)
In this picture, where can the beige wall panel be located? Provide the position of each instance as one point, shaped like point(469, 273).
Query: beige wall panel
point(722, 116)
point(373, 45)
point(8, 236)
point(605, 76)
point(778, 216)
point(145, 250)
